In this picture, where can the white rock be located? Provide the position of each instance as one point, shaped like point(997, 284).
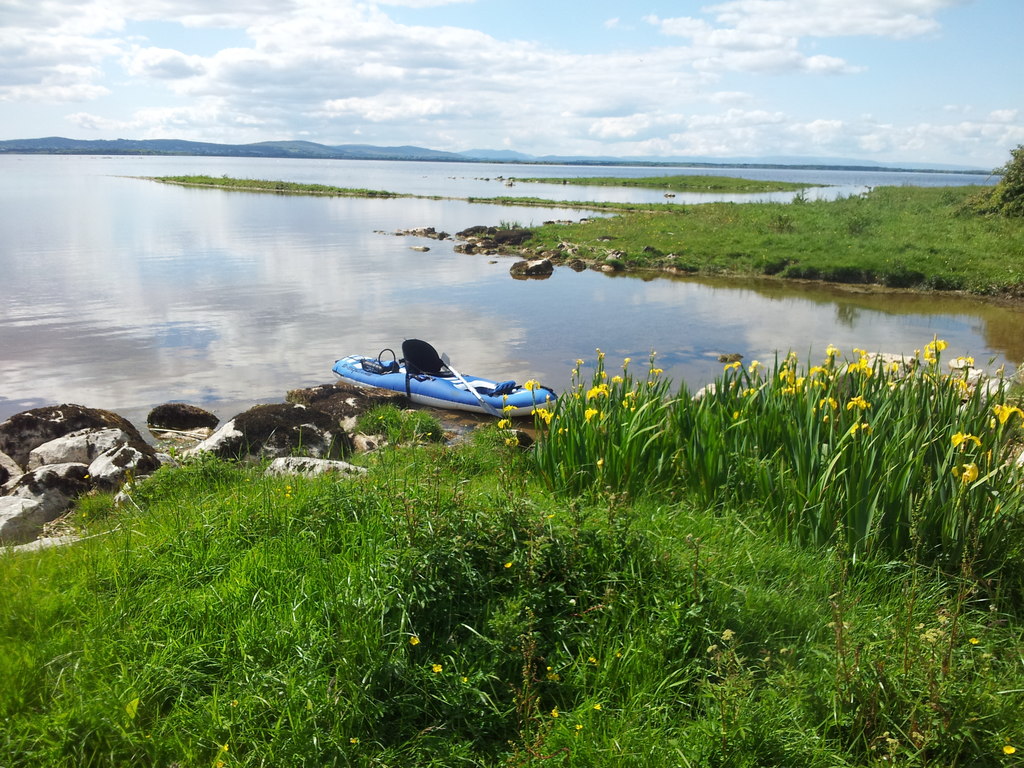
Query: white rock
point(298, 465)
point(80, 447)
point(21, 519)
point(9, 472)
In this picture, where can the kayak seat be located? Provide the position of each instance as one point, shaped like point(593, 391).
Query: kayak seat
point(503, 388)
point(421, 358)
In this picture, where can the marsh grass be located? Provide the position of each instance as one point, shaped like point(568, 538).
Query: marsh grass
point(448, 609)
point(278, 187)
point(682, 183)
point(886, 458)
point(901, 237)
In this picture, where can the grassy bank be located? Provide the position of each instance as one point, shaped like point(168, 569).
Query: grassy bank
point(691, 183)
point(902, 237)
point(604, 600)
point(278, 187)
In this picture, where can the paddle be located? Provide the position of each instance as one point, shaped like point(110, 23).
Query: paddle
point(486, 406)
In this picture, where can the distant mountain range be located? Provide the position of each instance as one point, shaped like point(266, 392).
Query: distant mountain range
point(56, 145)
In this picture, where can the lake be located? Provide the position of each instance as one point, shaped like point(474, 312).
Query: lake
point(123, 293)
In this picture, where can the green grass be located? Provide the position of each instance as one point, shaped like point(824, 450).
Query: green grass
point(900, 237)
point(279, 187)
point(705, 184)
point(449, 609)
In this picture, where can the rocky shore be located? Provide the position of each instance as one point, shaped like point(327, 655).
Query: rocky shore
point(51, 456)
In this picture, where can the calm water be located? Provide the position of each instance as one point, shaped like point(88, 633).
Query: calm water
point(122, 293)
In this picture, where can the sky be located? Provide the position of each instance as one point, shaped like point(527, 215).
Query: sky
point(914, 81)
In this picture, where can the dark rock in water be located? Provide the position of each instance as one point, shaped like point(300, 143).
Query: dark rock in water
point(278, 429)
point(733, 357)
point(345, 402)
point(534, 268)
point(181, 416)
point(30, 429)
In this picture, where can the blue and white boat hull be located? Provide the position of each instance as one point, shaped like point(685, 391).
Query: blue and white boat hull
point(447, 392)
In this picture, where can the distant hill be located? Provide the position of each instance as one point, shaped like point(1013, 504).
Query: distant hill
point(57, 145)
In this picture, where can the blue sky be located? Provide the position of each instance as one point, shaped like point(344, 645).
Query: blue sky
point(915, 81)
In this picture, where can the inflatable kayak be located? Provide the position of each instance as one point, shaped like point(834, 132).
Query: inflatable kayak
point(428, 379)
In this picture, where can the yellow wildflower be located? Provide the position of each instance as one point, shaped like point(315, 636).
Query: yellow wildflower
point(962, 437)
point(531, 384)
point(508, 565)
point(732, 366)
point(1004, 412)
point(967, 473)
point(414, 640)
point(504, 423)
point(601, 390)
point(754, 365)
point(657, 371)
point(1009, 749)
point(858, 402)
point(828, 401)
point(597, 707)
point(974, 641)
point(544, 414)
point(617, 379)
point(554, 712)
point(831, 351)
point(436, 668)
point(353, 740)
point(590, 413)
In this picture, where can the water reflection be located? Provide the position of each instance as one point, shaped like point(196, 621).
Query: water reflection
point(123, 294)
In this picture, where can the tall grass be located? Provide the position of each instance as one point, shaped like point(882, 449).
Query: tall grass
point(447, 610)
point(890, 458)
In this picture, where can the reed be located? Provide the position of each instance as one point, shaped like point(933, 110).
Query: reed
point(892, 457)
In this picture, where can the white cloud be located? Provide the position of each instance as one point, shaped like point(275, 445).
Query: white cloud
point(163, 64)
point(331, 70)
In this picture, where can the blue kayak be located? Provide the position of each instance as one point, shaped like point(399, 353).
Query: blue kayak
point(428, 380)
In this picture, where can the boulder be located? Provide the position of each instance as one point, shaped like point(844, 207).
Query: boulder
point(9, 470)
point(299, 465)
point(533, 268)
point(30, 429)
point(345, 402)
point(21, 519)
point(278, 429)
point(120, 464)
point(80, 447)
point(53, 488)
point(181, 416)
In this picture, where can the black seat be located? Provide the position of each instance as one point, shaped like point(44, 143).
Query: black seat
point(421, 358)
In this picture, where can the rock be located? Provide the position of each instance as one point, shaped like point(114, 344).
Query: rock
point(535, 268)
point(81, 447)
point(9, 471)
point(122, 463)
point(279, 429)
point(53, 488)
point(48, 543)
point(419, 248)
point(367, 443)
point(21, 519)
point(30, 429)
point(181, 416)
point(732, 357)
point(345, 402)
point(297, 465)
